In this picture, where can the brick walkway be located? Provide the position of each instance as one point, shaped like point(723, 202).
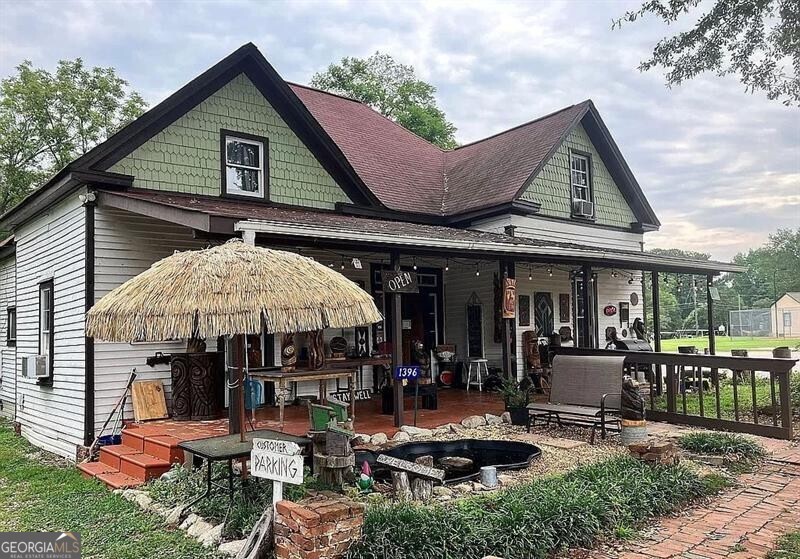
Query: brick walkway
point(742, 523)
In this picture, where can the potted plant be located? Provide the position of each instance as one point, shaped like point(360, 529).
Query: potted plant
point(516, 396)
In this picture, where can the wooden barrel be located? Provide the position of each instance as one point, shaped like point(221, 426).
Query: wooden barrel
point(633, 431)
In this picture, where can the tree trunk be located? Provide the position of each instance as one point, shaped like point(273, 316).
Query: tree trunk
point(401, 486)
point(421, 488)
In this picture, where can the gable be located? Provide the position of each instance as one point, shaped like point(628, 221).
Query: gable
point(551, 186)
point(185, 156)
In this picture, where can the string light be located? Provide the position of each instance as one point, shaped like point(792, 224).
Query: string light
point(550, 271)
point(342, 266)
point(447, 265)
point(530, 273)
point(415, 264)
point(477, 270)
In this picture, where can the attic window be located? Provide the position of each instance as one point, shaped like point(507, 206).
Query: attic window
point(581, 182)
point(243, 165)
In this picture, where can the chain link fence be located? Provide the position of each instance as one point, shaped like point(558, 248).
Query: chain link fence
point(751, 322)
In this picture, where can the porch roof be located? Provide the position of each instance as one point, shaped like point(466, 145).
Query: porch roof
point(296, 226)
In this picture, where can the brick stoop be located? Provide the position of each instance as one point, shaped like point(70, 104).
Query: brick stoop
point(145, 453)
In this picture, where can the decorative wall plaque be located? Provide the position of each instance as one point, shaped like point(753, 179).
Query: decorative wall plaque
point(563, 308)
point(509, 298)
point(524, 310)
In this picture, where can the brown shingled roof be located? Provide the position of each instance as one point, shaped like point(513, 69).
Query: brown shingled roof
point(409, 174)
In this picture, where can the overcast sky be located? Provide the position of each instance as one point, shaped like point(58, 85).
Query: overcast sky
point(721, 167)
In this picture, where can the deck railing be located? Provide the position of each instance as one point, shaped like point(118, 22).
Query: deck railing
point(741, 394)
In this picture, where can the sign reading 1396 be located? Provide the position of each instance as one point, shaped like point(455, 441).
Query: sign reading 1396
point(403, 372)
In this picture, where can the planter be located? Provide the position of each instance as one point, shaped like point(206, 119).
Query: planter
point(519, 415)
point(632, 431)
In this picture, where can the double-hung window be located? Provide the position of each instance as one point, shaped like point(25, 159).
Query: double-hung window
point(243, 165)
point(11, 326)
point(580, 178)
point(46, 323)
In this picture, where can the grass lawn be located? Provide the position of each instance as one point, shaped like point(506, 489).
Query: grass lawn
point(40, 492)
point(725, 343)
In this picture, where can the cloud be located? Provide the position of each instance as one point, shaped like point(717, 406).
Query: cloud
point(720, 167)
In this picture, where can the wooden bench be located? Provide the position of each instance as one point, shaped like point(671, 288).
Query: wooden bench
point(585, 390)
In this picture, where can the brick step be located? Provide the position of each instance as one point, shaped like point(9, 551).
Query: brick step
point(111, 454)
point(143, 466)
point(118, 480)
point(164, 447)
point(93, 469)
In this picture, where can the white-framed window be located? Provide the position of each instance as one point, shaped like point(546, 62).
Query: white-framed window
point(787, 319)
point(244, 167)
point(580, 173)
point(46, 323)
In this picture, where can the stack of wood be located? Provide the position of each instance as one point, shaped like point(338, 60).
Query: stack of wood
point(413, 480)
point(334, 458)
point(664, 453)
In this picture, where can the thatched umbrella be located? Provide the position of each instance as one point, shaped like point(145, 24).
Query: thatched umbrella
point(231, 289)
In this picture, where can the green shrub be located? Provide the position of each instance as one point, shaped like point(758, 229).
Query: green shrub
point(788, 547)
point(730, 445)
point(530, 520)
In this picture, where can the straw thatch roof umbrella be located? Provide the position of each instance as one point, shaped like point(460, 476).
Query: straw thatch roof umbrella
point(231, 289)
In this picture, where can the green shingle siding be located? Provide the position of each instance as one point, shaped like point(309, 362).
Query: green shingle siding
point(185, 156)
point(551, 187)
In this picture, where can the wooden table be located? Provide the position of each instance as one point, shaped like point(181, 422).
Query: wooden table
point(281, 378)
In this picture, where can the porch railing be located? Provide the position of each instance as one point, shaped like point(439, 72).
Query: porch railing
point(741, 394)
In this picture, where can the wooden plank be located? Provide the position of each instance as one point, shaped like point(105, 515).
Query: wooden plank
point(411, 467)
point(148, 400)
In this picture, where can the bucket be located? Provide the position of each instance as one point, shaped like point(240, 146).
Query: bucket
point(633, 431)
point(489, 476)
point(108, 440)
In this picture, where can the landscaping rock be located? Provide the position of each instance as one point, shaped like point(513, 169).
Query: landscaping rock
point(441, 431)
point(456, 428)
point(143, 500)
point(473, 421)
point(566, 444)
point(465, 487)
point(233, 548)
point(505, 479)
point(455, 463)
point(506, 417)
point(416, 431)
point(130, 494)
point(492, 419)
point(174, 515)
point(199, 528)
point(360, 438)
point(211, 537)
point(401, 437)
point(169, 475)
point(190, 520)
point(708, 459)
point(442, 491)
point(379, 439)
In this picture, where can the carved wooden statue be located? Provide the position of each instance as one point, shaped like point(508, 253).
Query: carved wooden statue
point(288, 353)
point(316, 349)
point(632, 401)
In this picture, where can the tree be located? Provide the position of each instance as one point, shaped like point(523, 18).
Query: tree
point(47, 120)
point(772, 270)
point(757, 40)
point(393, 90)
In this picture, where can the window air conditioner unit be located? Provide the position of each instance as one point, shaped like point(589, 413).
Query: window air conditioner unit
point(582, 208)
point(34, 366)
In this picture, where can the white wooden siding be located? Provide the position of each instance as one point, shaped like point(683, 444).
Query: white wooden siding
point(51, 246)
point(562, 231)
point(127, 244)
point(612, 291)
point(8, 355)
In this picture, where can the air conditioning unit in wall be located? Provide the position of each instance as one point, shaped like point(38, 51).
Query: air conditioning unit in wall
point(34, 366)
point(582, 208)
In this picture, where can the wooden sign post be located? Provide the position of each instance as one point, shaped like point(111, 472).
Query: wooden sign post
point(279, 461)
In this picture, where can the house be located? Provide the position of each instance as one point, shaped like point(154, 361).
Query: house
point(785, 315)
point(240, 152)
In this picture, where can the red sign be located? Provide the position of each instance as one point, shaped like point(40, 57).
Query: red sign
point(610, 310)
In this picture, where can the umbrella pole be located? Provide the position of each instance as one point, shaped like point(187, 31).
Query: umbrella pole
point(240, 359)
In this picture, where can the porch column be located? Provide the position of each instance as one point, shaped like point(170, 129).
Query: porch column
point(656, 313)
point(397, 343)
point(712, 335)
point(508, 270)
point(588, 302)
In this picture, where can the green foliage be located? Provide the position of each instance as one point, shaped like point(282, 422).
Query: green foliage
point(534, 519)
point(515, 394)
point(42, 493)
point(393, 90)
point(772, 270)
point(729, 445)
point(757, 40)
point(48, 119)
point(788, 547)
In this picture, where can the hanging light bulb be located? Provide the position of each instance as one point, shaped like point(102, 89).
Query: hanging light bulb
point(477, 270)
point(447, 265)
point(342, 266)
point(330, 265)
point(415, 264)
point(550, 271)
point(530, 273)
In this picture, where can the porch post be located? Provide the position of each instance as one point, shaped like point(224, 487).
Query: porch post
point(508, 270)
point(586, 327)
point(712, 335)
point(656, 313)
point(397, 344)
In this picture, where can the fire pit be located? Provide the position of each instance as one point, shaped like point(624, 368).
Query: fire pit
point(460, 459)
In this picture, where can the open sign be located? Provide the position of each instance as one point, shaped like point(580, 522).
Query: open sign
point(407, 372)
